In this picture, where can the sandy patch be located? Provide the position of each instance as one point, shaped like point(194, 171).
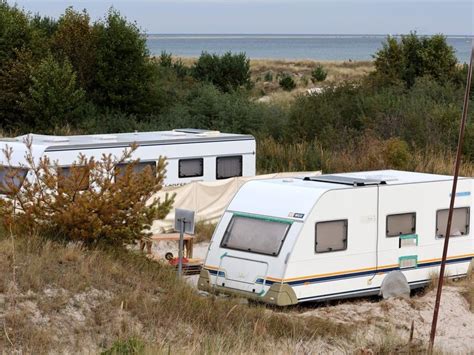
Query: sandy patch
point(455, 333)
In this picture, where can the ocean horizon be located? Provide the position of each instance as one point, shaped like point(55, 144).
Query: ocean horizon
point(337, 47)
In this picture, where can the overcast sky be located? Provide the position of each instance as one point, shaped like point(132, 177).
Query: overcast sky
point(280, 16)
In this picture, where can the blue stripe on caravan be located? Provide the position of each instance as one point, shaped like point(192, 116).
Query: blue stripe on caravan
point(349, 275)
point(362, 290)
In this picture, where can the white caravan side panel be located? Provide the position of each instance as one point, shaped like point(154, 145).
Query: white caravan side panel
point(424, 199)
point(206, 150)
point(333, 274)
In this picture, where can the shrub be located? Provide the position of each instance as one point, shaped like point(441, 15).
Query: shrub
point(287, 83)
point(165, 59)
point(54, 98)
point(227, 72)
point(396, 153)
point(413, 56)
point(304, 80)
point(318, 74)
point(95, 203)
point(131, 346)
point(268, 76)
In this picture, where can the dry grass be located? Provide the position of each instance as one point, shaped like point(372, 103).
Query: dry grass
point(300, 71)
point(468, 285)
point(70, 299)
point(203, 231)
point(370, 154)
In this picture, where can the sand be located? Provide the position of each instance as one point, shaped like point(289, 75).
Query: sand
point(455, 333)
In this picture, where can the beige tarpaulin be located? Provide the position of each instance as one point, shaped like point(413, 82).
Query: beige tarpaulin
point(209, 199)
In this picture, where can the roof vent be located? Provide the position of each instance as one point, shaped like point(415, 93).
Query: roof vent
point(107, 137)
point(209, 133)
point(173, 133)
point(345, 180)
point(200, 132)
point(56, 139)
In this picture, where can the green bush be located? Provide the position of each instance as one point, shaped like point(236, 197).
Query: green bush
point(227, 72)
point(132, 346)
point(415, 56)
point(397, 154)
point(318, 74)
point(287, 83)
point(165, 59)
point(54, 98)
point(268, 76)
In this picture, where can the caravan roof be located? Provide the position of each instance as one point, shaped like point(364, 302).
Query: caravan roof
point(177, 136)
point(45, 143)
point(300, 194)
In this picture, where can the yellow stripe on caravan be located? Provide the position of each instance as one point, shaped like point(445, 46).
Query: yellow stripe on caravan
point(449, 258)
point(349, 271)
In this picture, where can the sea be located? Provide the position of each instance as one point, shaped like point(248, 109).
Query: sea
point(256, 46)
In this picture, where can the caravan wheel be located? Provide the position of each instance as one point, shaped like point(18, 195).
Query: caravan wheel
point(395, 284)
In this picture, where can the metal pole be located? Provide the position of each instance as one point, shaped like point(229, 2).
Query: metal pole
point(451, 205)
point(181, 247)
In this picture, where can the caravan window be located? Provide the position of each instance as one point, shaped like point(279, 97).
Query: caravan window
point(80, 178)
point(9, 176)
point(401, 224)
point(331, 236)
point(459, 224)
point(191, 168)
point(137, 168)
point(227, 167)
point(256, 234)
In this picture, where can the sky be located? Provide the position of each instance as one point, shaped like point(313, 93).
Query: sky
point(450, 17)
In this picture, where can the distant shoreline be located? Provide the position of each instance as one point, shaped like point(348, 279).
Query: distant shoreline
point(289, 47)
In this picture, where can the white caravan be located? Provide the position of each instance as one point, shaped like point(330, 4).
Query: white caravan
point(191, 154)
point(287, 241)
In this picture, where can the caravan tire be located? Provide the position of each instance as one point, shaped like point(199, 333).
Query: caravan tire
point(395, 284)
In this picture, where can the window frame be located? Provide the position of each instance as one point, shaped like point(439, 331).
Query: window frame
point(346, 224)
point(69, 167)
point(125, 164)
point(262, 218)
point(468, 229)
point(180, 176)
point(241, 158)
point(4, 191)
point(399, 214)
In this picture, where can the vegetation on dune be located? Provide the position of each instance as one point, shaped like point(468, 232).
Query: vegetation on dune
point(94, 202)
point(74, 76)
point(127, 297)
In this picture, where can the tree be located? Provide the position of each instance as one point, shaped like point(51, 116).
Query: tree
point(76, 41)
point(123, 75)
point(227, 72)
point(413, 56)
point(95, 204)
point(15, 80)
point(54, 98)
point(15, 32)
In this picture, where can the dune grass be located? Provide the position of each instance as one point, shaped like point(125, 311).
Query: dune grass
point(65, 298)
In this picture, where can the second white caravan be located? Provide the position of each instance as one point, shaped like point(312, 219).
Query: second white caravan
point(191, 154)
point(287, 241)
